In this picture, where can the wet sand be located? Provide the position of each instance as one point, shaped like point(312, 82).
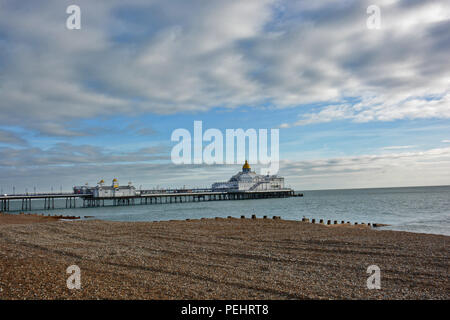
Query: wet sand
point(218, 259)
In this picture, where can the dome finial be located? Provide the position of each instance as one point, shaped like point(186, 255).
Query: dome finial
point(246, 167)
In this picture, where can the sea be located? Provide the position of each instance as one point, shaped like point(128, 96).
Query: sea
point(412, 209)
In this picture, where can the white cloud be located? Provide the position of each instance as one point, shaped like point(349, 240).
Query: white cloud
point(398, 147)
point(160, 59)
point(381, 109)
point(429, 167)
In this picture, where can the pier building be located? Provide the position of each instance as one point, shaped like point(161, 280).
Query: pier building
point(102, 191)
point(248, 180)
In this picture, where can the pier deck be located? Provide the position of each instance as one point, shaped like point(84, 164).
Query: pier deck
point(145, 197)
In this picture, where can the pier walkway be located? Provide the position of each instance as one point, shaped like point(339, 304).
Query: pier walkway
point(46, 201)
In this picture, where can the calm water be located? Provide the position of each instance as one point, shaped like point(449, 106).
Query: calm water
point(418, 209)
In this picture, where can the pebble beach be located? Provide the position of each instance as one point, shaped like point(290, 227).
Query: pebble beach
point(218, 259)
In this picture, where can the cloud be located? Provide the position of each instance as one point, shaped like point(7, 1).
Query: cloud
point(152, 57)
point(398, 147)
point(139, 128)
point(177, 57)
point(429, 167)
point(69, 165)
point(11, 138)
point(377, 109)
point(445, 141)
point(68, 155)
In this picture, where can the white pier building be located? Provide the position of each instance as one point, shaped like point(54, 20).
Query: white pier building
point(248, 180)
point(102, 191)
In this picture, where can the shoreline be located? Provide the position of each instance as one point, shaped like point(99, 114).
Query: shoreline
point(27, 218)
point(219, 258)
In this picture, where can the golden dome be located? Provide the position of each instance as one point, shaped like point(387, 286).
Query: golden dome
point(246, 165)
point(115, 180)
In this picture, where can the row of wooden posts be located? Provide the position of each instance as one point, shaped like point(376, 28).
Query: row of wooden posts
point(320, 221)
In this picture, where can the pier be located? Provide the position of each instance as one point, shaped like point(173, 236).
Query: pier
point(244, 185)
point(26, 202)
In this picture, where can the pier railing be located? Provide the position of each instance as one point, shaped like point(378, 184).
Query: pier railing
point(46, 201)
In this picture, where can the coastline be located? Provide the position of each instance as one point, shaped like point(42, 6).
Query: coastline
point(29, 218)
point(218, 259)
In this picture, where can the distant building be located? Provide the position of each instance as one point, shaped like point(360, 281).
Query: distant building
point(248, 180)
point(102, 191)
point(83, 189)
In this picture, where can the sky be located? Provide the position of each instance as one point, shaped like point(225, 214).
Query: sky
point(356, 107)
